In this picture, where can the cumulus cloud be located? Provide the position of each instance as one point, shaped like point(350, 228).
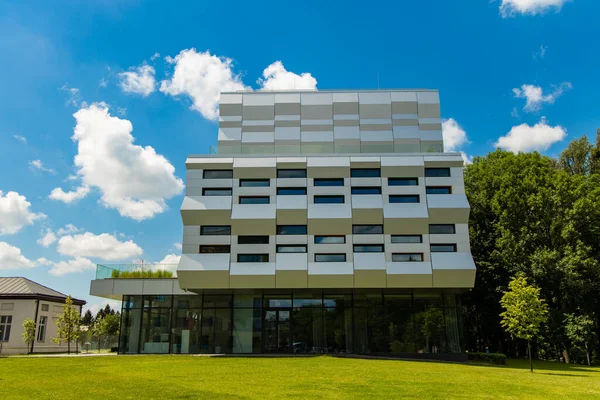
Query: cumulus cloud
point(47, 239)
point(202, 77)
point(72, 196)
point(139, 80)
point(276, 77)
point(510, 8)
point(535, 97)
point(74, 98)
point(95, 307)
point(15, 213)
point(155, 56)
point(529, 138)
point(455, 138)
point(104, 246)
point(172, 259)
point(177, 245)
point(21, 139)
point(69, 228)
point(39, 166)
point(78, 264)
point(134, 180)
point(11, 258)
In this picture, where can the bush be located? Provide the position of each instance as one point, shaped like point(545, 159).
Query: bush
point(141, 274)
point(114, 349)
point(492, 358)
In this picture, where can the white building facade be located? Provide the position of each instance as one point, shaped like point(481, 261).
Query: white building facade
point(328, 222)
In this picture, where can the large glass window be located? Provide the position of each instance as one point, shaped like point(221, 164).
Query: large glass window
point(366, 190)
point(319, 239)
point(328, 182)
point(403, 181)
point(41, 335)
point(297, 248)
point(215, 230)
point(5, 324)
point(406, 239)
point(443, 248)
point(253, 239)
point(185, 331)
point(291, 229)
point(254, 200)
point(437, 172)
point(339, 257)
point(291, 173)
point(330, 199)
point(407, 257)
point(368, 248)
point(218, 174)
point(438, 190)
point(131, 323)
point(215, 248)
point(255, 182)
point(367, 229)
point(252, 258)
point(365, 172)
point(289, 191)
point(216, 192)
point(155, 331)
point(442, 229)
point(404, 198)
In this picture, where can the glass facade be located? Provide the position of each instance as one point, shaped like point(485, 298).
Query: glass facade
point(293, 321)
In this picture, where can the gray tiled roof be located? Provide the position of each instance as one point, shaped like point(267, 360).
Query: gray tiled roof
point(24, 286)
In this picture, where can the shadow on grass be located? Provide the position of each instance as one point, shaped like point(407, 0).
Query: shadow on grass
point(540, 365)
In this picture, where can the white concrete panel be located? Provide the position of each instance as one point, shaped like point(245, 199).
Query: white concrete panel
point(191, 230)
point(345, 97)
point(206, 203)
point(405, 116)
point(287, 97)
point(443, 158)
point(258, 137)
point(365, 181)
point(292, 202)
point(428, 97)
point(403, 96)
point(291, 262)
point(374, 98)
point(329, 211)
point(231, 98)
point(316, 136)
point(315, 98)
point(431, 135)
point(369, 261)
point(447, 201)
point(416, 161)
point(291, 239)
point(252, 269)
point(367, 201)
point(287, 133)
point(416, 210)
point(255, 162)
point(376, 136)
point(452, 261)
point(346, 133)
point(310, 122)
point(328, 162)
point(368, 239)
point(346, 117)
point(204, 262)
point(287, 117)
point(259, 99)
point(230, 134)
point(406, 132)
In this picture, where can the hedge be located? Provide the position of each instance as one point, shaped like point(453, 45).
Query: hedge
point(492, 358)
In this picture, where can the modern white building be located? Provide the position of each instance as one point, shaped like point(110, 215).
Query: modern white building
point(21, 298)
point(328, 222)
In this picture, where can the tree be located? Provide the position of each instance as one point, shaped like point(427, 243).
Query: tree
point(68, 324)
point(28, 333)
point(595, 156)
point(87, 319)
point(579, 329)
point(103, 312)
point(100, 330)
point(576, 158)
point(525, 311)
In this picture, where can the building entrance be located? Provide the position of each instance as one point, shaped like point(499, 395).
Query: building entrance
point(276, 331)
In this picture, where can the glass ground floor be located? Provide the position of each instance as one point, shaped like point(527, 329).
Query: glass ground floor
point(293, 321)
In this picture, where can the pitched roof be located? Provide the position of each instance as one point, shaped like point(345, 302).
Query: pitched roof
point(23, 287)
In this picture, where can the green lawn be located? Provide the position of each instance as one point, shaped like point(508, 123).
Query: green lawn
point(186, 377)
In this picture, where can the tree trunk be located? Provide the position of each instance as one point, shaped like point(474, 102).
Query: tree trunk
point(587, 353)
point(529, 351)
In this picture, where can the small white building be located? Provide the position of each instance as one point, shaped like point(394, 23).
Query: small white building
point(21, 298)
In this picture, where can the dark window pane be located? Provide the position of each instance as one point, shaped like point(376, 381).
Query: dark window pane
point(255, 182)
point(439, 190)
point(253, 240)
point(329, 182)
point(215, 249)
point(437, 172)
point(301, 248)
point(330, 257)
point(252, 258)
point(443, 248)
point(368, 248)
point(367, 229)
point(157, 301)
point(407, 257)
point(404, 198)
point(218, 174)
point(216, 192)
point(254, 200)
point(365, 172)
point(291, 229)
point(291, 173)
point(442, 229)
point(366, 190)
point(403, 181)
point(308, 299)
point(217, 301)
point(330, 239)
point(215, 230)
point(329, 199)
point(291, 191)
point(407, 239)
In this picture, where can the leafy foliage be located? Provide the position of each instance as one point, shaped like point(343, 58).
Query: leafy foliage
point(68, 324)
point(493, 358)
point(28, 332)
point(161, 274)
point(525, 310)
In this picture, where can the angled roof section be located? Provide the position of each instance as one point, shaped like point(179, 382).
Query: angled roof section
point(18, 287)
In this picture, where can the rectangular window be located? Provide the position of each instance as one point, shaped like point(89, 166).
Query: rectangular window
point(367, 229)
point(216, 192)
point(403, 181)
point(443, 248)
point(335, 199)
point(404, 198)
point(45, 307)
point(292, 248)
point(437, 172)
point(368, 248)
point(288, 191)
point(254, 200)
point(291, 229)
point(253, 239)
point(366, 190)
point(438, 190)
point(252, 258)
point(5, 323)
point(330, 239)
point(218, 174)
point(291, 173)
point(255, 182)
point(328, 182)
point(41, 336)
point(365, 173)
point(215, 230)
point(330, 257)
point(215, 249)
point(407, 239)
point(442, 229)
point(407, 257)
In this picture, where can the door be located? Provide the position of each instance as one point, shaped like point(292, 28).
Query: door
point(276, 331)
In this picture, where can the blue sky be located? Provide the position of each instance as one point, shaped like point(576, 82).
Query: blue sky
point(521, 74)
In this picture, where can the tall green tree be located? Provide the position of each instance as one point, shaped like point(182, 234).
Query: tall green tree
point(525, 312)
point(87, 319)
point(67, 324)
point(577, 157)
point(28, 333)
point(100, 330)
point(580, 330)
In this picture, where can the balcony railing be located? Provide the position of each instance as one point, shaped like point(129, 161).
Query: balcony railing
point(136, 271)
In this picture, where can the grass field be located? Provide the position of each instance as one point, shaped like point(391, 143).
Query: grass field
point(186, 377)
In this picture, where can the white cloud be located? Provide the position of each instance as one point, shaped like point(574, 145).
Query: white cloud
point(69, 228)
point(139, 80)
point(528, 138)
point(48, 238)
point(38, 165)
point(43, 261)
point(155, 56)
point(11, 258)
point(78, 264)
point(104, 246)
point(172, 259)
point(535, 97)
point(202, 77)
point(134, 180)
point(509, 8)
point(72, 196)
point(15, 213)
point(466, 158)
point(455, 138)
point(541, 53)
point(74, 96)
point(103, 82)
point(21, 139)
point(276, 77)
point(177, 245)
point(169, 263)
point(94, 308)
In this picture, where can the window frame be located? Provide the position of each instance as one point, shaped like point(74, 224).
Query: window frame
point(354, 232)
point(315, 238)
point(404, 196)
point(5, 327)
point(354, 173)
point(317, 182)
point(41, 333)
point(279, 246)
point(288, 170)
point(453, 245)
point(204, 190)
point(408, 254)
point(396, 236)
point(358, 188)
point(434, 172)
point(216, 246)
point(217, 170)
point(241, 198)
point(262, 255)
point(279, 230)
point(391, 180)
point(291, 188)
point(427, 188)
point(266, 180)
point(215, 234)
point(317, 255)
point(381, 246)
point(453, 226)
point(256, 239)
point(329, 196)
